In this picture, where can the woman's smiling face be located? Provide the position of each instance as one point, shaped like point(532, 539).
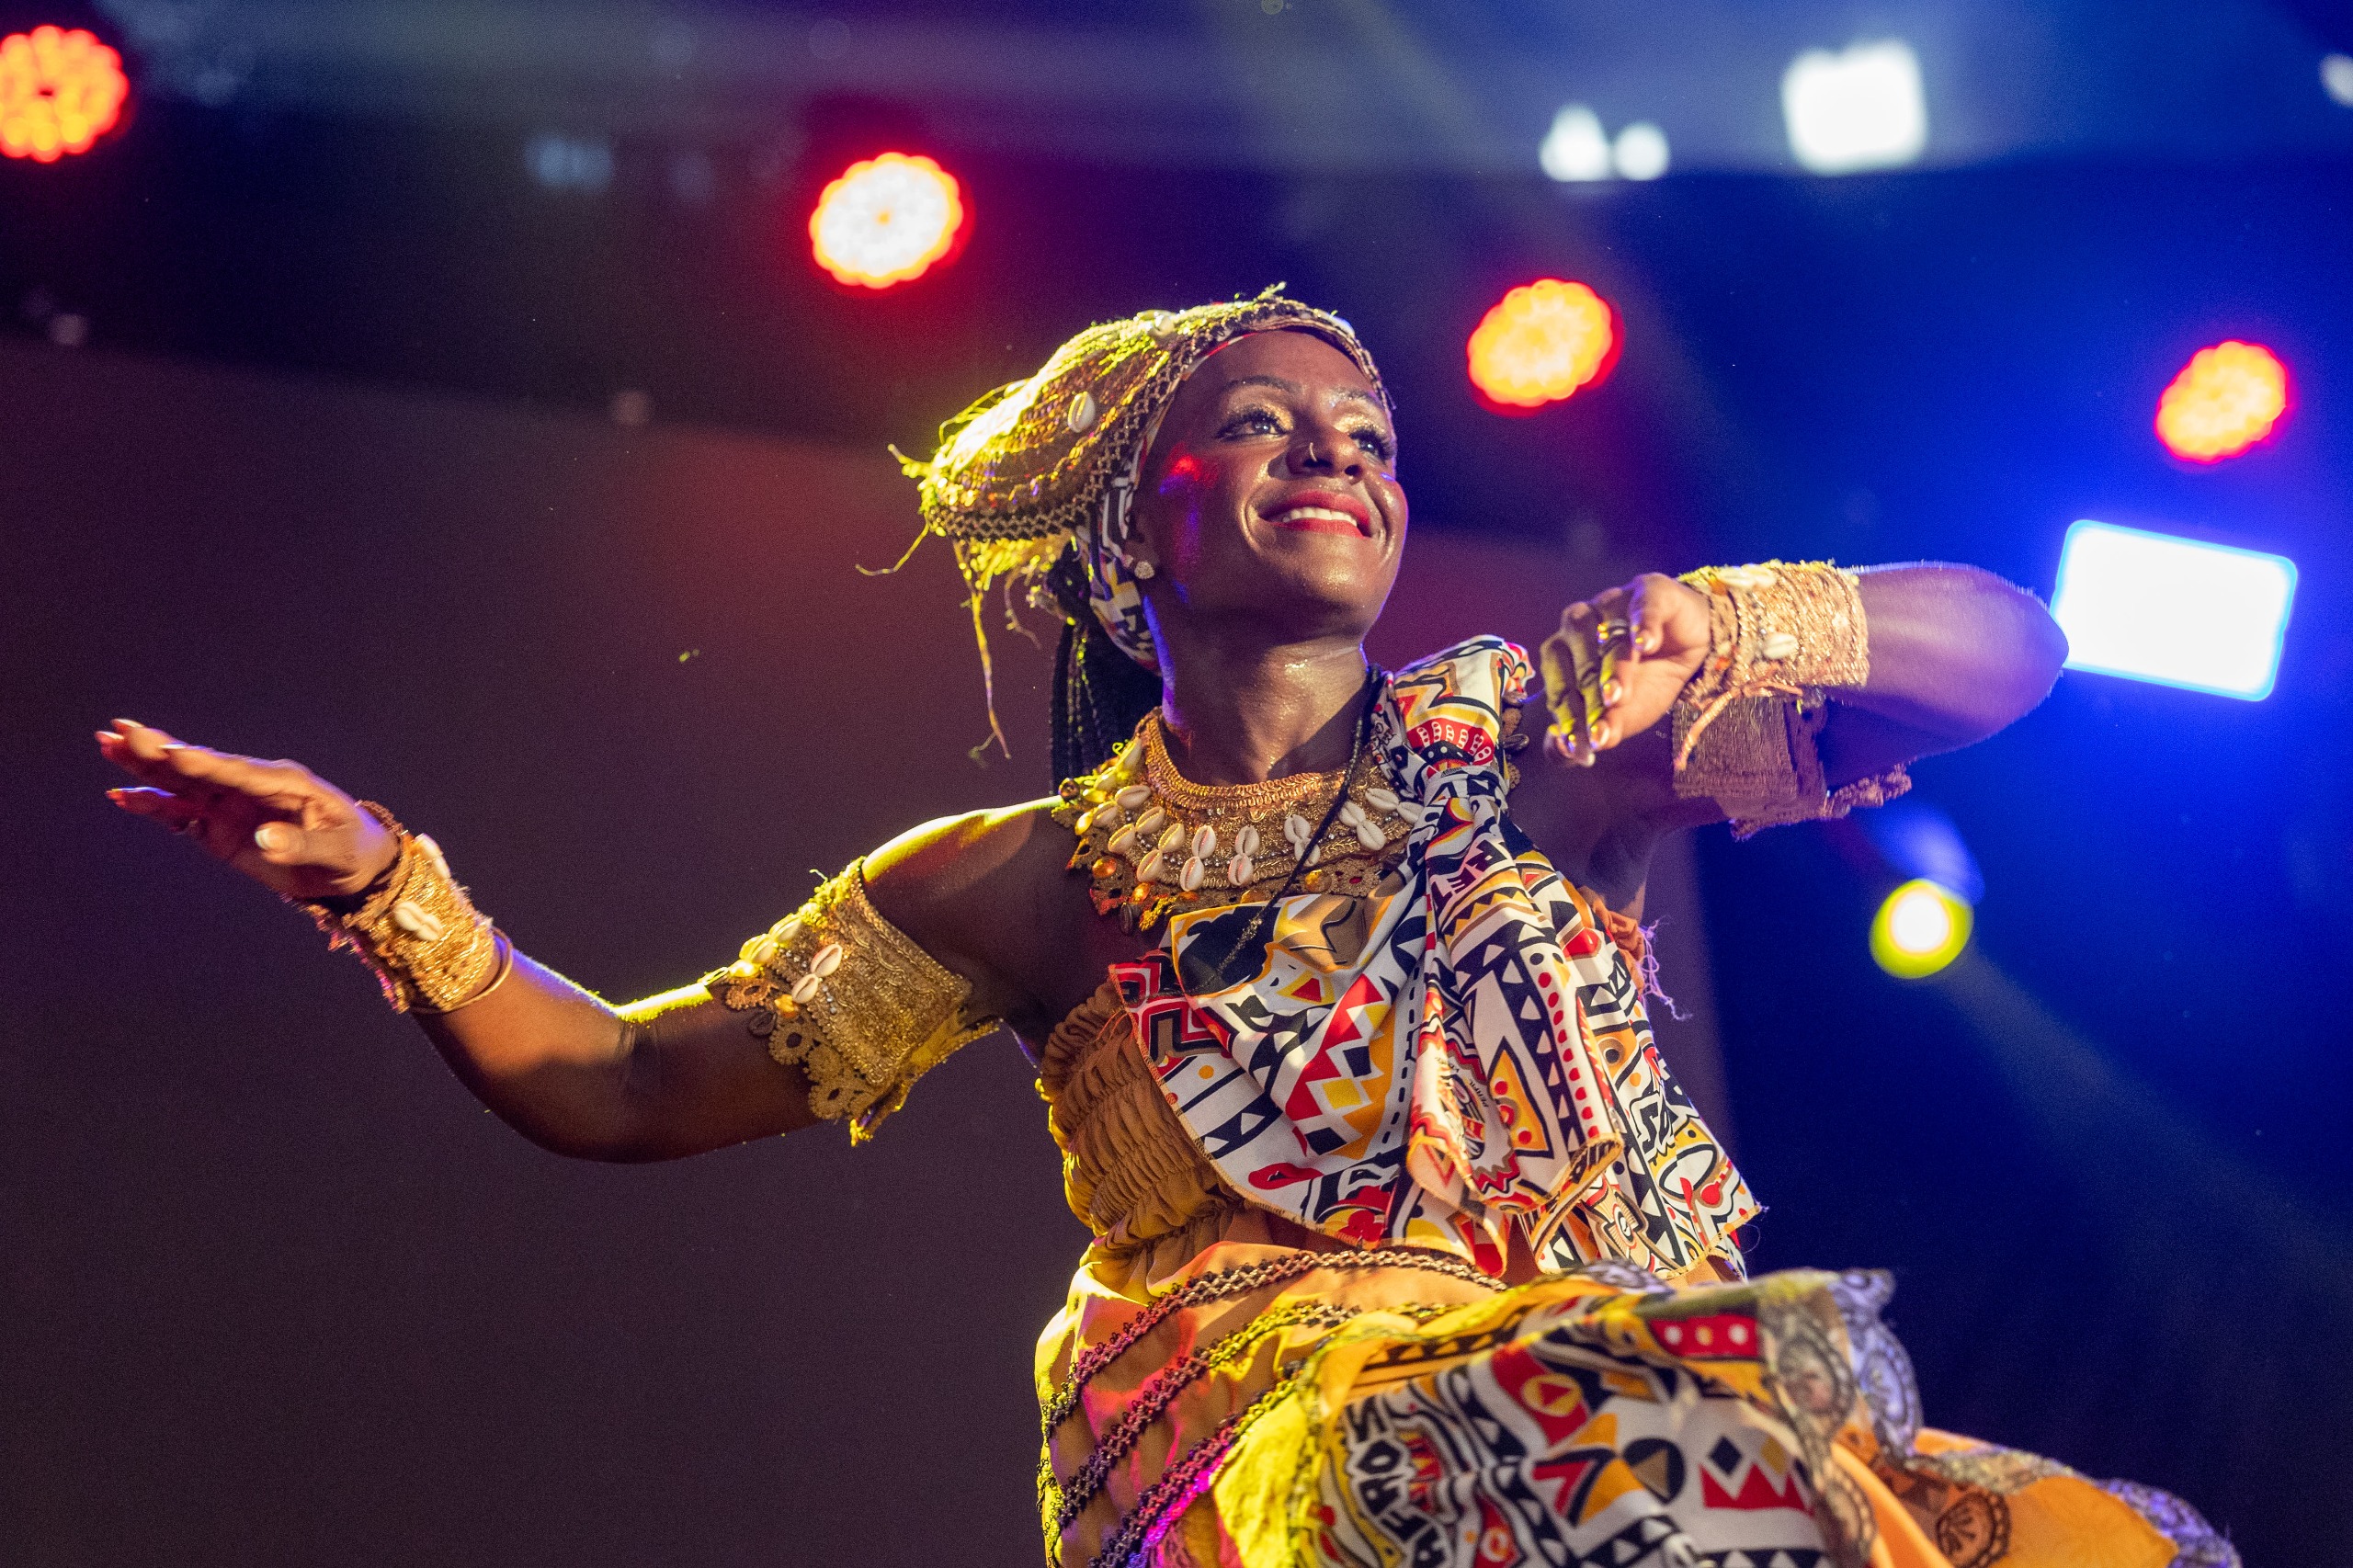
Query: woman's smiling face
point(1270, 497)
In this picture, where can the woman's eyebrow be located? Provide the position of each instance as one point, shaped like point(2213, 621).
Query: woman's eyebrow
point(1347, 395)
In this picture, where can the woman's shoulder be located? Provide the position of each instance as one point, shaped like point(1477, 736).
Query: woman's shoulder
point(950, 862)
point(988, 893)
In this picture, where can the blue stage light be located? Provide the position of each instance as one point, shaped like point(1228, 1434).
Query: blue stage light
point(1921, 842)
point(2175, 611)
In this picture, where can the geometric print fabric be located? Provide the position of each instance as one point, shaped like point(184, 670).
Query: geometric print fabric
point(1464, 1052)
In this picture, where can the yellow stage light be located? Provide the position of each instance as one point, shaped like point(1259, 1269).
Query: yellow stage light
point(1543, 341)
point(2225, 400)
point(60, 91)
point(887, 220)
point(1920, 928)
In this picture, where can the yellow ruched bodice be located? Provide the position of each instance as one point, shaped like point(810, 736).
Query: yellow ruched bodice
point(1131, 1173)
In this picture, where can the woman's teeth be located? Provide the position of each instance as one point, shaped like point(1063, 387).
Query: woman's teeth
point(1301, 514)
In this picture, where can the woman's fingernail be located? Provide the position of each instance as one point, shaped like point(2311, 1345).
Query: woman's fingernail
point(272, 837)
point(1612, 693)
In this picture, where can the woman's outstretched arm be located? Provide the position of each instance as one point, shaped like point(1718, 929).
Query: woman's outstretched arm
point(1956, 654)
point(670, 1075)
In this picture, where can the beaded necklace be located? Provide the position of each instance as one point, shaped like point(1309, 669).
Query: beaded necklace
point(1152, 840)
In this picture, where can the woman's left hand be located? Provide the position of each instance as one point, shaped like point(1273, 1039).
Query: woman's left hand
point(1620, 661)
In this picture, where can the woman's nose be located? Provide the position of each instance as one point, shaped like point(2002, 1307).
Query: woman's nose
point(1325, 451)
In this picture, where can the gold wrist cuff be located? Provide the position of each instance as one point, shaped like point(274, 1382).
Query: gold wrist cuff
point(1782, 636)
point(432, 950)
point(848, 998)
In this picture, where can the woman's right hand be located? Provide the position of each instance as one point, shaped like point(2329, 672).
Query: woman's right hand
point(276, 822)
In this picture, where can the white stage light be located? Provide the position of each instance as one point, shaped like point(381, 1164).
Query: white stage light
point(1575, 148)
point(563, 163)
point(1861, 109)
point(2337, 77)
point(2175, 611)
point(1640, 151)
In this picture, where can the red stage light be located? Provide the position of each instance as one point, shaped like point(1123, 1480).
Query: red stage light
point(2225, 400)
point(1543, 341)
point(59, 92)
point(887, 220)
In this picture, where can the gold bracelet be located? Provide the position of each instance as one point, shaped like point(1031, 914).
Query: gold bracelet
point(1782, 636)
point(840, 993)
point(432, 950)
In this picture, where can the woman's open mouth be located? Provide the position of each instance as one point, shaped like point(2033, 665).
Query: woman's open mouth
point(1322, 511)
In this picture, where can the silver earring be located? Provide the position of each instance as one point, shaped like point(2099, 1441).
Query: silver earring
point(1145, 571)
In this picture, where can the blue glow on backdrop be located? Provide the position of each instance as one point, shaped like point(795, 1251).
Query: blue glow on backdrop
point(2173, 611)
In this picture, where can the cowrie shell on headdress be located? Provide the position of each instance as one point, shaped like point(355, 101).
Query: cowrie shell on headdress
point(1083, 413)
point(1191, 877)
point(1205, 841)
point(1152, 822)
point(804, 990)
point(828, 958)
point(1155, 865)
point(1240, 870)
point(1351, 815)
point(1245, 840)
point(1381, 800)
point(1298, 830)
point(1176, 838)
point(1124, 842)
point(1370, 836)
point(1133, 796)
point(1779, 645)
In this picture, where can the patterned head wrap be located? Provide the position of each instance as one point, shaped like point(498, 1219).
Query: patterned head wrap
point(1046, 467)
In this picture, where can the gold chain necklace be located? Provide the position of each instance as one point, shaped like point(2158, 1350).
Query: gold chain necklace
point(1152, 840)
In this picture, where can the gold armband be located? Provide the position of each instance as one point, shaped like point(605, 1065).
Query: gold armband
point(848, 998)
point(431, 949)
point(1782, 636)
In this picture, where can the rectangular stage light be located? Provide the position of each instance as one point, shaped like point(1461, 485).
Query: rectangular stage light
point(2176, 611)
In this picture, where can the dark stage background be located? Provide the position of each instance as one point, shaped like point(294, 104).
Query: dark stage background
point(311, 444)
point(273, 1275)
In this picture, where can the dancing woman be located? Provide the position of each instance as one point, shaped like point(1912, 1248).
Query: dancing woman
point(1407, 1247)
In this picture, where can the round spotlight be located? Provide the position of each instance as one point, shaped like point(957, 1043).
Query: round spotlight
point(2225, 400)
point(887, 220)
point(1920, 928)
point(60, 91)
point(1541, 342)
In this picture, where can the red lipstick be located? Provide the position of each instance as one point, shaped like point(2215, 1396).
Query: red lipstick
point(1320, 511)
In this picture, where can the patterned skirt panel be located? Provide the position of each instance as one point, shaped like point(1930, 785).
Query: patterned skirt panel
point(1273, 1408)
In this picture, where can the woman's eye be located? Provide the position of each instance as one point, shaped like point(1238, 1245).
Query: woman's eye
point(1372, 440)
point(1254, 422)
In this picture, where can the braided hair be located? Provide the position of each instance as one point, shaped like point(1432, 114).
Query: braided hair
point(1101, 694)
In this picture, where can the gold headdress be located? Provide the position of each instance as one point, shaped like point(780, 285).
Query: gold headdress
point(1047, 466)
